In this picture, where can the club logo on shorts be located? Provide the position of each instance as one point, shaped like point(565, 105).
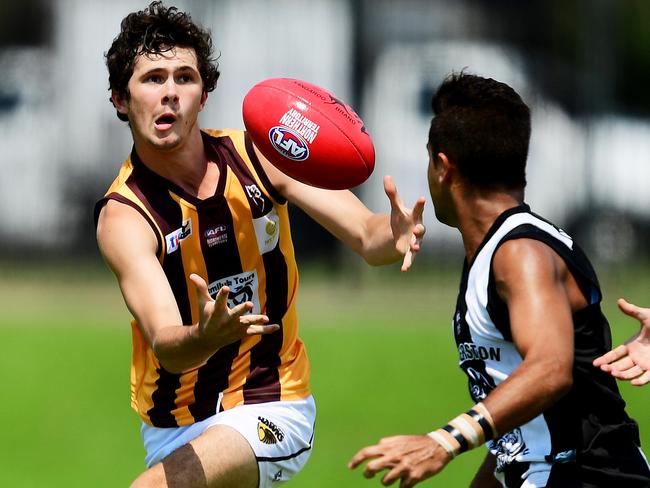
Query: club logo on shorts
point(288, 143)
point(268, 432)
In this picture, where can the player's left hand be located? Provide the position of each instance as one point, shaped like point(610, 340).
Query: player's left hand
point(630, 361)
point(408, 458)
point(406, 223)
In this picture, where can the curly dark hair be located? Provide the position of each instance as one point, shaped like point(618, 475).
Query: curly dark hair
point(483, 126)
point(155, 30)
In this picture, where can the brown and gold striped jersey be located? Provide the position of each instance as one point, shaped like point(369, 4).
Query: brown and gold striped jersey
point(239, 237)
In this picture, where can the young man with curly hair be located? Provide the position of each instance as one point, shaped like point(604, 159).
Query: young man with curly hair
point(196, 229)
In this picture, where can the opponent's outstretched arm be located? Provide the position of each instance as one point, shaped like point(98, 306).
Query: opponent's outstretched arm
point(378, 238)
point(631, 360)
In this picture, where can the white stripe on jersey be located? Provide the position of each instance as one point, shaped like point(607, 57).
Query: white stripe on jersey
point(532, 441)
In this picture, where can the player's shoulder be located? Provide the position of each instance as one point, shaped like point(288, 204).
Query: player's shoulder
point(221, 133)
point(517, 260)
point(119, 223)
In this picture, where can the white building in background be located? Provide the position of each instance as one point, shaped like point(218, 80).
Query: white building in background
point(62, 143)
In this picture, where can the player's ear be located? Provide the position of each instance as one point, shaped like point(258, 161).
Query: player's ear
point(204, 99)
point(445, 164)
point(120, 103)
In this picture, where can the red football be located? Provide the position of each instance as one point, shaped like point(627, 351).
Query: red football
point(308, 133)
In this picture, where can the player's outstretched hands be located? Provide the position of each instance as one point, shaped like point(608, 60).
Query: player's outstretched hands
point(220, 325)
point(406, 223)
point(630, 361)
point(407, 458)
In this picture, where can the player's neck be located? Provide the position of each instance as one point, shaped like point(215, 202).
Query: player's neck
point(478, 212)
point(185, 165)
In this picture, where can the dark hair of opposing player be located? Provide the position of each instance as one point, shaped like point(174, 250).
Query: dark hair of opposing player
point(155, 30)
point(483, 126)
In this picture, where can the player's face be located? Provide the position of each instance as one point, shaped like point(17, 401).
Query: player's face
point(165, 96)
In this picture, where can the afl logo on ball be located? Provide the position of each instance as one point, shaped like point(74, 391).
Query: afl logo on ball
point(288, 143)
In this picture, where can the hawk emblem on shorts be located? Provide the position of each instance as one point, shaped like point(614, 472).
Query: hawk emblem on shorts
point(268, 432)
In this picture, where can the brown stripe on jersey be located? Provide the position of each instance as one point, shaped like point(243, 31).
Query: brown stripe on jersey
point(212, 379)
point(259, 203)
point(263, 381)
point(221, 260)
point(260, 171)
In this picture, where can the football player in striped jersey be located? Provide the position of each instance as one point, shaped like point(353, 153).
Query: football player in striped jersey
point(527, 324)
point(196, 229)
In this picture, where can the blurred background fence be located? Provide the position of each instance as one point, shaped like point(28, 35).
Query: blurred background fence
point(582, 65)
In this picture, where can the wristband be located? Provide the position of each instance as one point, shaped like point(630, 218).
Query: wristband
point(440, 439)
point(465, 432)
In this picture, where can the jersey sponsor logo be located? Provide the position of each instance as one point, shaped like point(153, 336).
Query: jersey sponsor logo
point(468, 351)
point(267, 231)
point(243, 288)
point(289, 143)
point(268, 432)
point(300, 124)
point(216, 235)
point(255, 194)
point(173, 239)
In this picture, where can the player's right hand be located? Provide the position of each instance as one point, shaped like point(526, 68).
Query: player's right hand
point(408, 459)
point(219, 325)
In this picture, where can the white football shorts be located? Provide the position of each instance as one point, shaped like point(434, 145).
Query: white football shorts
point(280, 433)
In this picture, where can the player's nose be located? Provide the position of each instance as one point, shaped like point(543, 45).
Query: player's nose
point(170, 91)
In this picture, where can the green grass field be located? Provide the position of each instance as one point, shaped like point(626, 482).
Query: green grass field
point(380, 345)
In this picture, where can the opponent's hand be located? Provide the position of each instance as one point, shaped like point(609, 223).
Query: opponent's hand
point(631, 360)
point(220, 325)
point(406, 223)
point(408, 458)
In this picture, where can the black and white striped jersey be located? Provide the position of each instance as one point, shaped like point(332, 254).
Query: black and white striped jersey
point(587, 426)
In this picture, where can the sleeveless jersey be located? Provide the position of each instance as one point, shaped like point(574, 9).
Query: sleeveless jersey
point(239, 237)
point(588, 428)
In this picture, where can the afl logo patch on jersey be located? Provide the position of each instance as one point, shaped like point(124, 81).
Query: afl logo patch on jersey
point(289, 143)
point(216, 235)
point(268, 432)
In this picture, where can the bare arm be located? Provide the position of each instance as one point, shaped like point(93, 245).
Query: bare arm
point(378, 238)
point(128, 245)
point(541, 295)
point(630, 361)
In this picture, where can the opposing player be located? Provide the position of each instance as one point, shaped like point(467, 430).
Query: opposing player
point(630, 361)
point(527, 324)
point(196, 230)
